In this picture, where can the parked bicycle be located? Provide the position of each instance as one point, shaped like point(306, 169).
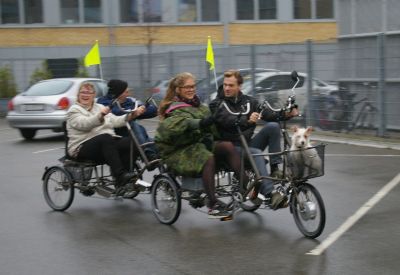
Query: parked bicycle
point(364, 118)
point(304, 200)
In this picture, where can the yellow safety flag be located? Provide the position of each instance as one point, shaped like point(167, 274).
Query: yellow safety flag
point(210, 54)
point(93, 56)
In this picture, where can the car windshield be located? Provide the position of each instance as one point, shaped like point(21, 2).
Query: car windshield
point(54, 87)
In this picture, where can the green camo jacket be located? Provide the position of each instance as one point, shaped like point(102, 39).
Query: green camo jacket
point(183, 145)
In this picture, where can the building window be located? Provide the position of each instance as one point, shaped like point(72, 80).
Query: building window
point(244, 10)
point(21, 11)
point(255, 9)
point(80, 11)
point(313, 9)
point(69, 11)
point(324, 9)
point(33, 11)
point(198, 11)
point(9, 12)
point(209, 10)
point(92, 11)
point(129, 11)
point(135, 11)
point(187, 11)
point(267, 9)
point(152, 11)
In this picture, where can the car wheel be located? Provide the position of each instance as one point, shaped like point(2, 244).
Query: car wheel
point(28, 133)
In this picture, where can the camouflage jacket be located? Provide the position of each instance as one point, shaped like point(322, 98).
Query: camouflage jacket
point(183, 145)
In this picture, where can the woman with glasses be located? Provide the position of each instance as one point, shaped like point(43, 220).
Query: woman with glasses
point(91, 136)
point(184, 138)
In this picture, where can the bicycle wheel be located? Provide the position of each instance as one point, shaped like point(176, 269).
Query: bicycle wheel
point(247, 204)
point(58, 188)
point(165, 200)
point(308, 210)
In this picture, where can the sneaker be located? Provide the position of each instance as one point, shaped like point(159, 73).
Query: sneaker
point(217, 212)
point(278, 200)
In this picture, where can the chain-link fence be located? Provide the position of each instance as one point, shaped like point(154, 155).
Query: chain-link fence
point(361, 74)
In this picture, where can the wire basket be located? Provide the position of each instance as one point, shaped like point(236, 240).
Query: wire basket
point(80, 173)
point(307, 163)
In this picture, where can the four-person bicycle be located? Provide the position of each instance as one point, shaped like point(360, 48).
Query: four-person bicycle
point(167, 190)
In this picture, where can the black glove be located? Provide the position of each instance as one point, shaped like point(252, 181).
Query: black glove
point(207, 121)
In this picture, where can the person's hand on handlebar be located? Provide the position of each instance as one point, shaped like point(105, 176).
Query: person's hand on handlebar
point(138, 112)
point(254, 117)
point(293, 112)
point(105, 110)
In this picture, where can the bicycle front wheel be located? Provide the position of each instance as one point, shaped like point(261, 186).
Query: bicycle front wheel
point(308, 210)
point(58, 188)
point(165, 200)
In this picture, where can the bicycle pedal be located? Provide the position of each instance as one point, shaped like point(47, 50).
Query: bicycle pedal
point(224, 219)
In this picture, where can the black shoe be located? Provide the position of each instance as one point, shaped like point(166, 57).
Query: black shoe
point(278, 200)
point(125, 178)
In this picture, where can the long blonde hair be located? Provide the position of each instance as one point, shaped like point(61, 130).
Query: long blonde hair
point(176, 82)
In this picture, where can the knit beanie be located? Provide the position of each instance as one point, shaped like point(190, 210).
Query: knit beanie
point(116, 87)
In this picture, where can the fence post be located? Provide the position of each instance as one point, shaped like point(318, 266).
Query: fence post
point(253, 67)
point(171, 67)
point(309, 82)
point(381, 85)
point(141, 71)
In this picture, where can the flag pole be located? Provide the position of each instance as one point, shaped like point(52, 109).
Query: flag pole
point(210, 59)
point(215, 78)
point(101, 69)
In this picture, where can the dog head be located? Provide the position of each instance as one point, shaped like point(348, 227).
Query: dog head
point(301, 137)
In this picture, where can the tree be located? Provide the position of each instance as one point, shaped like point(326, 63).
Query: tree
point(82, 72)
point(8, 88)
point(40, 73)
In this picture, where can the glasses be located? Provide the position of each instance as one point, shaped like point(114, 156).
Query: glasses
point(86, 92)
point(188, 87)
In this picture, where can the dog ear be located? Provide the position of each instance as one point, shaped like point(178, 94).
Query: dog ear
point(309, 129)
point(294, 128)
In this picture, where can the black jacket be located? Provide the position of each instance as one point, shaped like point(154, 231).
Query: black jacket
point(244, 104)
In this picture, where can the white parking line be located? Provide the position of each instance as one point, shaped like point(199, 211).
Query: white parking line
point(319, 249)
point(359, 155)
point(47, 150)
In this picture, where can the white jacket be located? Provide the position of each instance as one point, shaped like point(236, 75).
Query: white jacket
point(83, 124)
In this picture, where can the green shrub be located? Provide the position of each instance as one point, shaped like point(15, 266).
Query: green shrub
point(40, 73)
point(82, 72)
point(8, 88)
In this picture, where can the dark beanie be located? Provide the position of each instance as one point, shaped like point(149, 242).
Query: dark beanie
point(116, 87)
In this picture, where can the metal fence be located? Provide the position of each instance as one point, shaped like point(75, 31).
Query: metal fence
point(365, 69)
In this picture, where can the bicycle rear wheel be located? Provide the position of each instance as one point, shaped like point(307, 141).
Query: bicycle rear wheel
point(165, 200)
point(308, 210)
point(58, 188)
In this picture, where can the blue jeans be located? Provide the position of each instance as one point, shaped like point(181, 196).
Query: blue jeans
point(267, 185)
point(142, 136)
point(269, 136)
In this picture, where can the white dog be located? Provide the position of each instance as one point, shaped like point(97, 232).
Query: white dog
point(303, 159)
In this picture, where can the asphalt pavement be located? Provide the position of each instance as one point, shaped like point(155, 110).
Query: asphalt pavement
point(103, 236)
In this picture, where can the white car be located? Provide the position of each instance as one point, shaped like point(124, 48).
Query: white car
point(277, 86)
point(44, 105)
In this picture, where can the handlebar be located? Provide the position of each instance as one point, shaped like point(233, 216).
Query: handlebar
point(115, 102)
point(290, 102)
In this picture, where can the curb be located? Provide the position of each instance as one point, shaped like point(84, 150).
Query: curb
point(359, 142)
